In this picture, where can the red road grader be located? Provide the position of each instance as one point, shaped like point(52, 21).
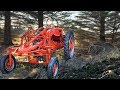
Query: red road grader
point(39, 45)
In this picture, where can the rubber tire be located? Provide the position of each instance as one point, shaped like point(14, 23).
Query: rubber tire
point(50, 74)
point(66, 45)
point(2, 64)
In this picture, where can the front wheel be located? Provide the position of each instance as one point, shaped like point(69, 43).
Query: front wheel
point(53, 68)
point(5, 65)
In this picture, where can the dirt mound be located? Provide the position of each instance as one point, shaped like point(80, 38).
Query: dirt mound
point(101, 48)
point(107, 69)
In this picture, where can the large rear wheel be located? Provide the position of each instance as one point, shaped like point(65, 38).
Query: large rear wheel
point(69, 46)
point(53, 68)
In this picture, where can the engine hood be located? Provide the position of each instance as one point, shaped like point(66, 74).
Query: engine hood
point(56, 31)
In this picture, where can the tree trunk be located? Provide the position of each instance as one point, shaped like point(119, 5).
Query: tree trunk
point(40, 18)
point(102, 26)
point(7, 29)
point(114, 31)
point(113, 35)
